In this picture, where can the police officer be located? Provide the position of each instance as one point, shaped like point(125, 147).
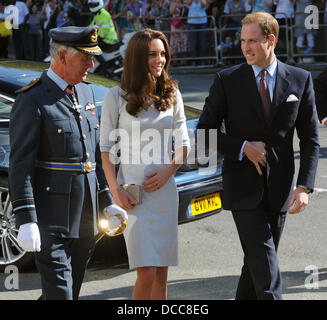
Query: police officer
point(55, 176)
point(103, 20)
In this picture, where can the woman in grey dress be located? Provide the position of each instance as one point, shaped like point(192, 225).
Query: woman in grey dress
point(148, 110)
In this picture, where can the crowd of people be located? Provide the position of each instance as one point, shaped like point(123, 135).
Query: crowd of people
point(185, 23)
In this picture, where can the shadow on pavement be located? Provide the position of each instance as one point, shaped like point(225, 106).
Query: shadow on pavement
point(214, 288)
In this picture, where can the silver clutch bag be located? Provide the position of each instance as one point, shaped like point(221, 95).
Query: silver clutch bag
point(135, 191)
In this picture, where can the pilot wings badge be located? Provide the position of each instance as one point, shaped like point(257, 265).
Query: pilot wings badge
point(89, 106)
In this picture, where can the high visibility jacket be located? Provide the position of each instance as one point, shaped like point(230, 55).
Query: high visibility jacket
point(106, 26)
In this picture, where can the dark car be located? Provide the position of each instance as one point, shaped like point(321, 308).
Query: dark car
point(199, 183)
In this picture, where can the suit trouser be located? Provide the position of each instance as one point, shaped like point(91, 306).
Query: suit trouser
point(259, 231)
point(62, 263)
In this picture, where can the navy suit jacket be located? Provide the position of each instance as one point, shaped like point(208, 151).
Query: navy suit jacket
point(235, 101)
point(44, 126)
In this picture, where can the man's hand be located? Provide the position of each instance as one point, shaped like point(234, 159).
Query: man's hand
point(28, 237)
point(256, 153)
point(111, 212)
point(299, 200)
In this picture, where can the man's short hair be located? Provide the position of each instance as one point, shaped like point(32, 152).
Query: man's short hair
point(267, 23)
point(56, 47)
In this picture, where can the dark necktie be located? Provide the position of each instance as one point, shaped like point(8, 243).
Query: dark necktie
point(265, 97)
point(72, 96)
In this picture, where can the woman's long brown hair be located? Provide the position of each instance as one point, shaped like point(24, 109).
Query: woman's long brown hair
point(141, 87)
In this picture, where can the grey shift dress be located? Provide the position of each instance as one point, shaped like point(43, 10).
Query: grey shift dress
point(145, 145)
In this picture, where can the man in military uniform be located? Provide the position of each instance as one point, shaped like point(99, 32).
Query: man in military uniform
point(55, 176)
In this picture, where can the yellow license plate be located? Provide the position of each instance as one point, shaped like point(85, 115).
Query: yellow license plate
point(204, 204)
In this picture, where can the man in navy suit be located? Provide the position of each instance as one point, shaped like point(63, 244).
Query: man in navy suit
point(261, 103)
point(56, 179)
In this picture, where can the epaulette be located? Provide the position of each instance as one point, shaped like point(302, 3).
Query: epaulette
point(28, 86)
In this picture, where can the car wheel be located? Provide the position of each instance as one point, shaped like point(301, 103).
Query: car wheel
point(10, 252)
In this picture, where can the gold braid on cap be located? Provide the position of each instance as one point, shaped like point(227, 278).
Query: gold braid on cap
point(94, 36)
point(90, 50)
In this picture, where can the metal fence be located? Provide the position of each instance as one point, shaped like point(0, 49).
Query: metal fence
point(223, 41)
point(286, 48)
point(180, 40)
point(315, 40)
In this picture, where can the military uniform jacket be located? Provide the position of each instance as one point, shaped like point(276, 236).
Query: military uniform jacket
point(45, 127)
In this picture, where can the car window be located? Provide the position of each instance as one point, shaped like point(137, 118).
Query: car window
point(191, 113)
point(99, 93)
point(5, 106)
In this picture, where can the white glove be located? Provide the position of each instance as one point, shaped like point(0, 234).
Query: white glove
point(111, 212)
point(114, 222)
point(28, 237)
